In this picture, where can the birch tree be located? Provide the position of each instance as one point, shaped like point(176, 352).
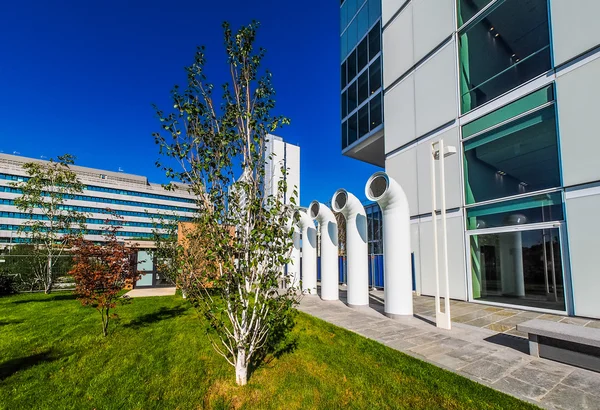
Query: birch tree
point(44, 194)
point(217, 146)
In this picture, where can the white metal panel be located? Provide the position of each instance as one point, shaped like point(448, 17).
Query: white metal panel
point(399, 113)
point(436, 98)
point(583, 226)
point(403, 168)
point(433, 22)
point(574, 27)
point(577, 96)
point(389, 8)
point(398, 47)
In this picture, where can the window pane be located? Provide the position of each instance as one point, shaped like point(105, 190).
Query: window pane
point(363, 87)
point(352, 101)
point(353, 34)
point(344, 46)
point(363, 121)
point(352, 129)
point(351, 8)
point(374, 11)
point(515, 41)
point(343, 75)
point(468, 8)
point(375, 76)
point(343, 16)
point(352, 66)
point(363, 21)
point(522, 105)
point(375, 109)
point(518, 157)
point(521, 268)
point(362, 55)
point(344, 134)
point(534, 209)
point(374, 41)
point(344, 104)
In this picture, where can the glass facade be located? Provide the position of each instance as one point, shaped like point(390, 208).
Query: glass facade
point(515, 41)
point(520, 268)
point(374, 229)
point(512, 180)
point(361, 74)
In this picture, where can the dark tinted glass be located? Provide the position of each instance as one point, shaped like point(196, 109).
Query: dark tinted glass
point(344, 104)
point(352, 129)
point(515, 41)
point(376, 112)
point(343, 75)
point(468, 8)
point(374, 41)
point(518, 157)
point(363, 121)
point(363, 54)
point(352, 99)
point(352, 65)
point(363, 87)
point(375, 76)
point(344, 134)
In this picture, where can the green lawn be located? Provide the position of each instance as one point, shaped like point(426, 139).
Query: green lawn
point(52, 356)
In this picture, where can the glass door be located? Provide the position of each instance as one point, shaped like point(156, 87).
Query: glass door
point(145, 266)
point(519, 267)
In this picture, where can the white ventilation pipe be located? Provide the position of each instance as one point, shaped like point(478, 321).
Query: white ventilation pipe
point(396, 243)
point(309, 252)
point(293, 267)
point(329, 250)
point(356, 246)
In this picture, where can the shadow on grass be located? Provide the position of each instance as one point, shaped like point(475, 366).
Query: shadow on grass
point(10, 322)
point(163, 313)
point(12, 366)
point(514, 342)
point(50, 298)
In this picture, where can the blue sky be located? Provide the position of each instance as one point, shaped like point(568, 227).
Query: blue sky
point(80, 77)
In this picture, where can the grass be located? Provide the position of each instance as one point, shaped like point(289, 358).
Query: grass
point(52, 356)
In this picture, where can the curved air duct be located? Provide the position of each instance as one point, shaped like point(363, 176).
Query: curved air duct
point(356, 246)
point(293, 268)
point(309, 252)
point(329, 250)
point(396, 243)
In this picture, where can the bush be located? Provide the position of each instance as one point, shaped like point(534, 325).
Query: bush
point(7, 284)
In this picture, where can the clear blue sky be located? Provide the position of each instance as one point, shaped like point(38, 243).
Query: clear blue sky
point(80, 76)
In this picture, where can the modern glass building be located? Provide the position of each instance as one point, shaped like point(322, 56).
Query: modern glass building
point(511, 84)
point(361, 91)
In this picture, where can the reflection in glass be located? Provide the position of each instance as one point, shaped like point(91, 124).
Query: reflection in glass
point(374, 41)
point(375, 111)
point(344, 134)
point(532, 209)
point(363, 55)
point(343, 75)
point(352, 65)
point(468, 8)
point(363, 120)
point(352, 129)
point(375, 76)
point(515, 41)
point(515, 158)
point(374, 11)
point(352, 101)
point(363, 21)
point(344, 104)
point(521, 268)
point(363, 87)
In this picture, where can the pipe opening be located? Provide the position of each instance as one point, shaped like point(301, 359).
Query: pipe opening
point(314, 209)
point(340, 200)
point(378, 186)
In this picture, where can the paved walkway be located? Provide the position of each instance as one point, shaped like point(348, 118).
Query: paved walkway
point(495, 359)
point(146, 292)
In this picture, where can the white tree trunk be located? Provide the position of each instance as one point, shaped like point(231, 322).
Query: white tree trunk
point(49, 281)
point(241, 368)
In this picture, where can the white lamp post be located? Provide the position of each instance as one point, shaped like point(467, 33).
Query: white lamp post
point(442, 319)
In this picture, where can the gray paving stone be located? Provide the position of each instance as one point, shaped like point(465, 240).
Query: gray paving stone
point(472, 352)
point(448, 361)
point(486, 370)
point(584, 380)
point(399, 344)
point(542, 374)
point(426, 338)
point(435, 348)
point(563, 397)
point(516, 387)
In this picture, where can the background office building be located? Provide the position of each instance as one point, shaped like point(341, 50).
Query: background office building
point(512, 84)
point(280, 154)
point(142, 205)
